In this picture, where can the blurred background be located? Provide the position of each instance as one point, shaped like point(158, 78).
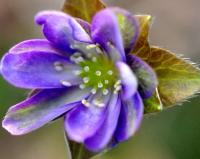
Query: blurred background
point(171, 134)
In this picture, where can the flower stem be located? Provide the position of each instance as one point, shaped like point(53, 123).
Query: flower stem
point(77, 151)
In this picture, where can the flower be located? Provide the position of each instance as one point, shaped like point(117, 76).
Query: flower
point(82, 72)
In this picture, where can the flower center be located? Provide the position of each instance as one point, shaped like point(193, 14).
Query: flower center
point(98, 73)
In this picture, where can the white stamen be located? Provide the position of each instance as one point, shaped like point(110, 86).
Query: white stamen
point(76, 54)
point(88, 47)
point(81, 86)
point(86, 68)
point(79, 59)
point(74, 46)
point(100, 85)
point(58, 66)
point(89, 55)
point(85, 103)
point(105, 91)
point(118, 88)
point(76, 57)
point(106, 81)
point(72, 58)
point(93, 91)
point(77, 72)
point(86, 79)
point(98, 103)
point(117, 84)
point(66, 83)
point(98, 73)
point(98, 50)
point(94, 59)
point(110, 72)
point(115, 92)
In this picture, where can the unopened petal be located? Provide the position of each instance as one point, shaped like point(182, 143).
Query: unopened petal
point(61, 29)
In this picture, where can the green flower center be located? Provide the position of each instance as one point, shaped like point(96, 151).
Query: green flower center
point(98, 73)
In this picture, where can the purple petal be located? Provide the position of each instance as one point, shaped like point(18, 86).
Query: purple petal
point(40, 109)
point(61, 29)
point(104, 134)
point(129, 27)
point(38, 70)
point(106, 31)
point(86, 26)
point(147, 79)
point(41, 45)
point(82, 122)
point(129, 81)
point(130, 118)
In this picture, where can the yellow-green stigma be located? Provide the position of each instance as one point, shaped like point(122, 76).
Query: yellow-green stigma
point(98, 72)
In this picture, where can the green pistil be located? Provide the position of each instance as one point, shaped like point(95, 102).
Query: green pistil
point(98, 72)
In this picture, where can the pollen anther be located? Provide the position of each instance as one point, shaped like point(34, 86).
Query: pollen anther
point(106, 81)
point(99, 103)
point(86, 68)
point(86, 79)
point(98, 73)
point(94, 59)
point(110, 72)
point(81, 86)
point(58, 66)
point(105, 91)
point(88, 47)
point(93, 91)
point(100, 85)
point(66, 83)
point(85, 103)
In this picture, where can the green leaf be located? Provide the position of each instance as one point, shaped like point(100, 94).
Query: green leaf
point(153, 104)
point(142, 47)
point(83, 9)
point(178, 78)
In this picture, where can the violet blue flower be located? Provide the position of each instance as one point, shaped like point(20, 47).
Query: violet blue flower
point(83, 73)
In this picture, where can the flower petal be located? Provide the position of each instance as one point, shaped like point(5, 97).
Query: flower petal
point(38, 70)
point(129, 81)
point(129, 27)
point(106, 32)
point(34, 45)
point(104, 134)
point(82, 122)
point(61, 29)
point(130, 118)
point(86, 26)
point(147, 79)
point(40, 109)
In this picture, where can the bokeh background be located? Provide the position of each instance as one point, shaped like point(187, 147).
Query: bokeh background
point(171, 134)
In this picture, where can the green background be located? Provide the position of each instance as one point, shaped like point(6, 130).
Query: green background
point(171, 134)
